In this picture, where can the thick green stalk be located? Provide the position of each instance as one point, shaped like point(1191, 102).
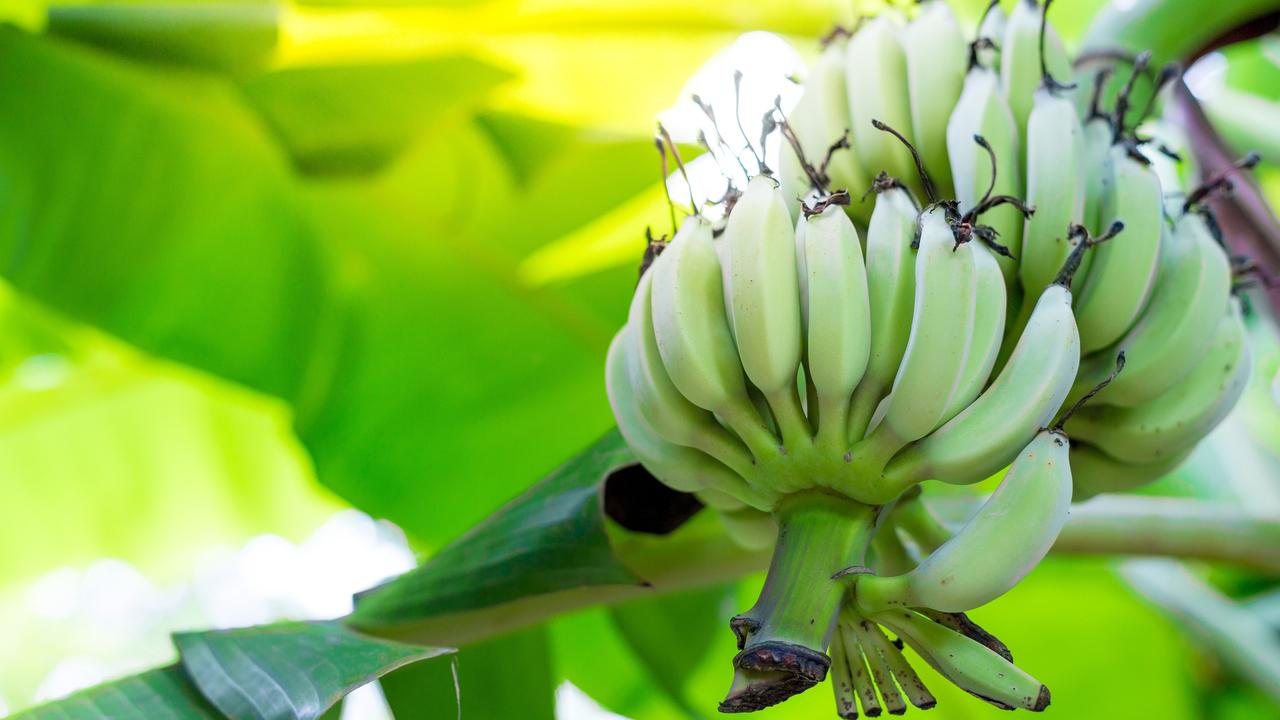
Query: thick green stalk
point(784, 637)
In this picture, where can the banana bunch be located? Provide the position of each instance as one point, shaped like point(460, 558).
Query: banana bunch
point(804, 363)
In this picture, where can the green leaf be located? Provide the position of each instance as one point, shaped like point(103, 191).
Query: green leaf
point(166, 693)
point(155, 207)
point(591, 653)
point(391, 313)
point(672, 635)
point(505, 677)
point(1170, 29)
point(452, 385)
point(237, 37)
point(92, 432)
point(290, 671)
point(356, 117)
point(552, 539)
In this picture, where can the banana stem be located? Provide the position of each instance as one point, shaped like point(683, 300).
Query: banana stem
point(832, 434)
point(862, 409)
point(1132, 525)
point(792, 422)
point(1238, 637)
point(783, 638)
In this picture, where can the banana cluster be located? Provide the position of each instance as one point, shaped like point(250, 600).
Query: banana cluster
point(1019, 244)
point(1160, 293)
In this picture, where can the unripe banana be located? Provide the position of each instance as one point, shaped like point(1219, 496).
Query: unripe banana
point(891, 283)
point(1025, 396)
point(693, 337)
point(992, 28)
point(1096, 166)
point(748, 527)
point(841, 676)
point(982, 110)
point(1093, 472)
point(1166, 426)
point(1020, 61)
point(988, 331)
point(876, 78)
point(1124, 269)
point(719, 501)
point(864, 688)
point(1001, 543)
point(941, 330)
point(937, 54)
point(678, 467)
point(869, 636)
point(1189, 300)
point(837, 316)
point(972, 666)
point(1175, 173)
point(669, 413)
point(764, 297)
point(819, 120)
point(1055, 188)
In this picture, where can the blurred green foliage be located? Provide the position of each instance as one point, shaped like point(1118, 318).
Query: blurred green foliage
point(383, 247)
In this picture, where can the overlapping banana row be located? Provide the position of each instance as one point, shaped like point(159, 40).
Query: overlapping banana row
point(804, 364)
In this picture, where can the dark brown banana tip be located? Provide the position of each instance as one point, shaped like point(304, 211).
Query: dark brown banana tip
point(1042, 701)
point(761, 695)
point(784, 670)
point(797, 660)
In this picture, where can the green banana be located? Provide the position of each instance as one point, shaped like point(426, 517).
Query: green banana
point(863, 686)
point(1001, 543)
point(876, 78)
point(936, 56)
point(1097, 136)
point(1093, 472)
point(901, 670)
point(1124, 269)
point(877, 663)
point(681, 468)
point(1190, 297)
point(820, 119)
point(941, 330)
point(669, 413)
point(717, 500)
point(1021, 55)
point(983, 111)
point(842, 679)
point(972, 666)
point(693, 337)
point(988, 331)
point(764, 300)
point(1164, 427)
point(991, 29)
point(836, 317)
point(1024, 397)
point(1096, 164)
point(747, 526)
point(1055, 187)
point(891, 284)
point(1176, 173)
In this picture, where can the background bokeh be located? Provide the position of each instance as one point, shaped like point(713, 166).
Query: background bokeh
point(299, 267)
